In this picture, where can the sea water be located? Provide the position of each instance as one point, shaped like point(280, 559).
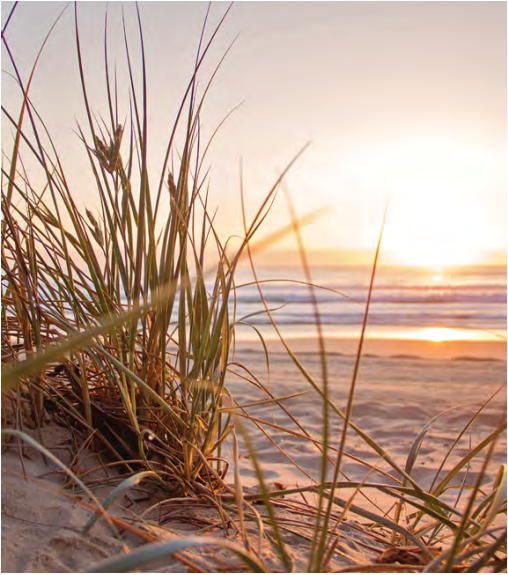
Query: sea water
point(406, 303)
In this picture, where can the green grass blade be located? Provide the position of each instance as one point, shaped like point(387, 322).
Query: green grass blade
point(148, 553)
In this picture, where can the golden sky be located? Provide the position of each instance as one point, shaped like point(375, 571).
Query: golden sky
point(404, 104)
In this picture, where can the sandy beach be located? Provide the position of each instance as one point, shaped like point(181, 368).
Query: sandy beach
point(400, 388)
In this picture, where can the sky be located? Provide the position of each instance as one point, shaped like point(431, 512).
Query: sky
point(403, 105)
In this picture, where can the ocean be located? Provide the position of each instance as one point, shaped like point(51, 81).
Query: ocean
point(467, 303)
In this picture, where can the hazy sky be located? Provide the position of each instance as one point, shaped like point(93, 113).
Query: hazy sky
point(405, 100)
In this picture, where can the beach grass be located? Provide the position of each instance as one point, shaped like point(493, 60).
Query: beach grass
point(109, 326)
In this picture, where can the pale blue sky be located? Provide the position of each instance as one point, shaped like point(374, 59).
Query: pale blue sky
point(406, 99)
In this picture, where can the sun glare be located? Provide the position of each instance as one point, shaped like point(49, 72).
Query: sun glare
point(431, 227)
point(437, 334)
point(433, 253)
point(448, 334)
point(435, 216)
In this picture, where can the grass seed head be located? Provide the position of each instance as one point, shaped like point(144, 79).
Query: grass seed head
point(171, 185)
point(95, 229)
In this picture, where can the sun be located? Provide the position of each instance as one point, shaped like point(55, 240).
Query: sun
point(435, 251)
point(432, 253)
point(436, 188)
point(429, 225)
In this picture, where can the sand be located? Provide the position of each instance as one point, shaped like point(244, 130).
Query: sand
point(399, 389)
point(43, 516)
point(401, 386)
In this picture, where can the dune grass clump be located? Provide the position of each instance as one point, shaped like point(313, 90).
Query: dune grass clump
point(150, 389)
point(119, 320)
